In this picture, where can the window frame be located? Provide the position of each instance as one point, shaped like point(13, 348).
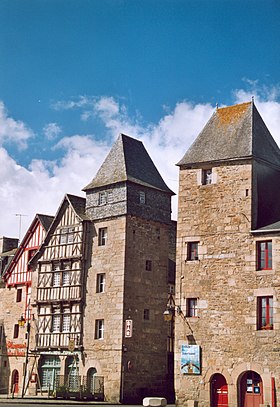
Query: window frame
point(100, 282)
point(102, 236)
point(192, 251)
point(192, 307)
point(265, 313)
point(19, 295)
point(264, 255)
point(99, 329)
point(207, 176)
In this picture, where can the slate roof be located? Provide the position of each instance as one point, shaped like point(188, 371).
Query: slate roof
point(235, 132)
point(273, 227)
point(79, 205)
point(128, 160)
point(46, 220)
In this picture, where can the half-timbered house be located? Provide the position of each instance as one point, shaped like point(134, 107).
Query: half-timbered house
point(15, 304)
point(60, 293)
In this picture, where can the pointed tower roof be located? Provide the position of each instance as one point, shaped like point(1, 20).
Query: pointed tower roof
point(233, 133)
point(128, 160)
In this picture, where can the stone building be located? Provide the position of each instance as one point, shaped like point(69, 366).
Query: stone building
point(227, 326)
point(101, 282)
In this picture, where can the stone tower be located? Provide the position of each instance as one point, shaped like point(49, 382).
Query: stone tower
point(125, 337)
point(227, 326)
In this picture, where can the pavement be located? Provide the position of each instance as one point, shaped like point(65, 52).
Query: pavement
point(6, 398)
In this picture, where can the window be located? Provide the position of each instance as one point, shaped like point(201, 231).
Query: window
point(56, 279)
point(99, 329)
point(191, 307)
point(102, 236)
point(66, 277)
point(66, 322)
point(19, 295)
point(192, 253)
point(149, 265)
point(206, 176)
point(109, 196)
point(100, 283)
point(66, 235)
point(264, 255)
point(142, 197)
point(146, 314)
point(265, 312)
point(16, 331)
point(102, 198)
point(56, 323)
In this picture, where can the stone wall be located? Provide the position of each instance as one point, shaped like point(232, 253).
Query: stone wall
point(226, 284)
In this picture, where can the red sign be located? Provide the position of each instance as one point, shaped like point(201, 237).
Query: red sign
point(128, 328)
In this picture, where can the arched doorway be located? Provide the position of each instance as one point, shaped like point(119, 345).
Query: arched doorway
point(219, 391)
point(250, 389)
point(14, 383)
point(90, 379)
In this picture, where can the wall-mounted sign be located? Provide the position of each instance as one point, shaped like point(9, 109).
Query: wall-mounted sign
point(190, 359)
point(128, 328)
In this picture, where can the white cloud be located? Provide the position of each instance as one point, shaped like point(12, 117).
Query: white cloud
point(51, 131)
point(41, 187)
point(12, 130)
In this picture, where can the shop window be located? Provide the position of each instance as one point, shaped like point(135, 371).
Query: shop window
point(192, 251)
point(19, 295)
point(264, 255)
point(99, 329)
point(191, 307)
point(207, 176)
point(265, 313)
point(100, 283)
point(148, 265)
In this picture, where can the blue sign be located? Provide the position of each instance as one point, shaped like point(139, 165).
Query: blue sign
point(190, 359)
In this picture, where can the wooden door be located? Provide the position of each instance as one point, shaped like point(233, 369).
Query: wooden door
point(219, 391)
point(251, 389)
point(15, 380)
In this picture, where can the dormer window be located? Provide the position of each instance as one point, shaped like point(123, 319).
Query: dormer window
point(207, 176)
point(142, 197)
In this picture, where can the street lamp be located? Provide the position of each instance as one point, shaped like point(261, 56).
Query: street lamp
point(21, 323)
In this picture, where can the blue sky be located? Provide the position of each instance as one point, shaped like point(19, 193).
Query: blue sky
point(76, 73)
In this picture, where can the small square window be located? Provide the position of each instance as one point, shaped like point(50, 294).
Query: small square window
point(191, 307)
point(146, 314)
point(19, 295)
point(265, 313)
point(142, 197)
point(192, 253)
point(99, 329)
point(148, 265)
point(102, 236)
point(100, 283)
point(16, 331)
point(264, 255)
point(207, 176)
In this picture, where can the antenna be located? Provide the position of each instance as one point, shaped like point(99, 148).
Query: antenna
point(20, 215)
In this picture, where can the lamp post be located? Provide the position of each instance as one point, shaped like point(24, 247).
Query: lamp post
point(21, 323)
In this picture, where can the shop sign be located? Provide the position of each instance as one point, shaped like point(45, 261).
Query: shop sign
point(128, 328)
point(190, 359)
